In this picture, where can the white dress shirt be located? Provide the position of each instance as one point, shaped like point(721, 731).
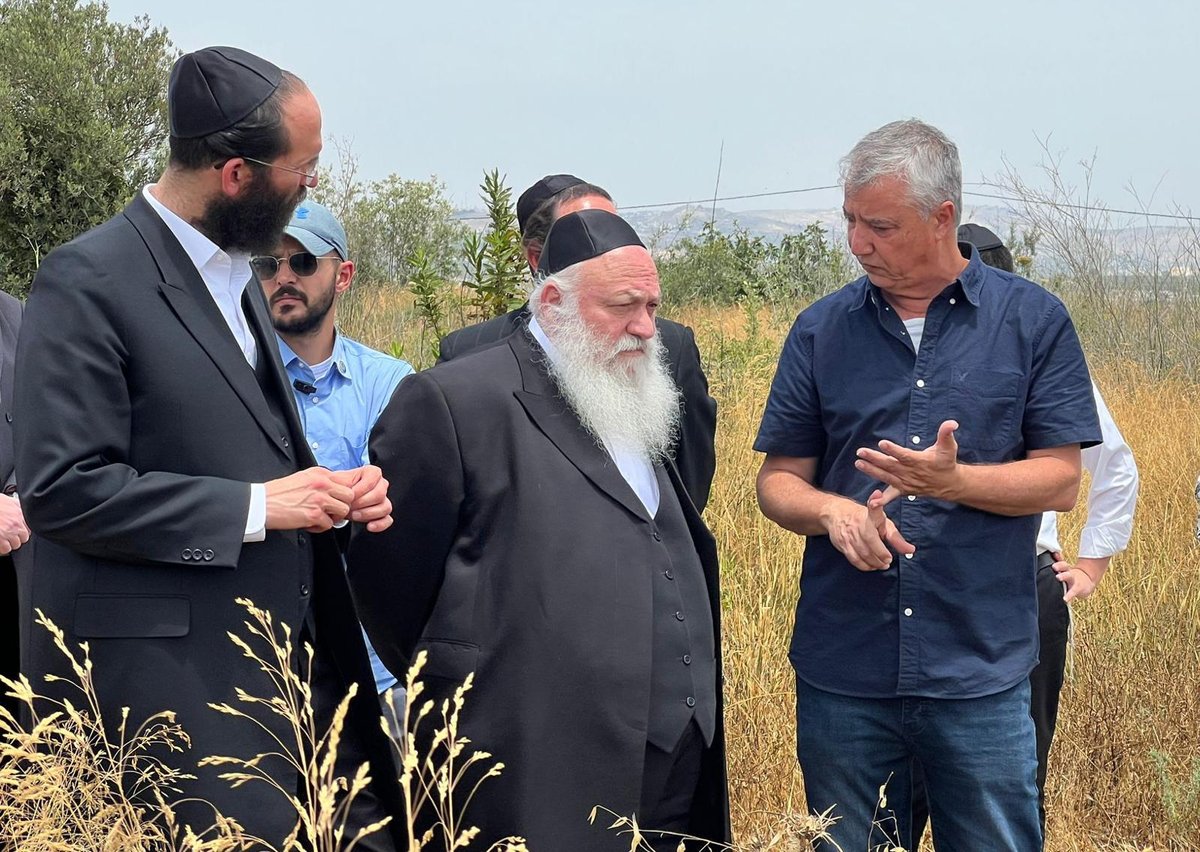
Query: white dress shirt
point(1111, 496)
point(635, 468)
point(225, 276)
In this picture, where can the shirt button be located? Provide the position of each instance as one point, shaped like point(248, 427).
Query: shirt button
point(908, 556)
point(912, 497)
point(920, 383)
point(952, 301)
point(316, 399)
point(316, 445)
point(687, 659)
point(304, 590)
point(916, 439)
point(691, 702)
point(908, 610)
point(679, 616)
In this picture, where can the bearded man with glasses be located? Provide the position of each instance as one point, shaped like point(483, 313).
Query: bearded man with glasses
point(165, 473)
point(340, 385)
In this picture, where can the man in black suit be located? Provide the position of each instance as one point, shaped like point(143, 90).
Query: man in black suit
point(538, 207)
point(163, 468)
point(13, 530)
point(544, 541)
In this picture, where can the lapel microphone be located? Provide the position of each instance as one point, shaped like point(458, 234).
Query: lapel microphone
point(304, 387)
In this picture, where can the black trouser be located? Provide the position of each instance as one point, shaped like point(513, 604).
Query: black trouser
point(1045, 683)
point(10, 647)
point(669, 782)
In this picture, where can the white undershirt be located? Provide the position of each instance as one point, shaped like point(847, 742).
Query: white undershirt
point(916, 328)
point(635, 468)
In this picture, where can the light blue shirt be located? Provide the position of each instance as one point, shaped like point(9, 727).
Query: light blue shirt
point(339, 414)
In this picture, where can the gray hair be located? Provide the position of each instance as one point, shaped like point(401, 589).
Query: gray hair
point(917, 153)
point(567, 280)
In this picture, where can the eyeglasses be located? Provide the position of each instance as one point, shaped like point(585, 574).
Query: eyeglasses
point(310, 176)
point(303, 263)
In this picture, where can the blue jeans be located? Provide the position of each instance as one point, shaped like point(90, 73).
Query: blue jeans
point(979, 758)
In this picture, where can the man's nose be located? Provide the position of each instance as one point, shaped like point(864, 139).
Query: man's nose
point(859, 241)
point(642, 326)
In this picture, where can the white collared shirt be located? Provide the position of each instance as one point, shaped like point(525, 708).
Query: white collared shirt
point(635, 468)
point(1111, 496)
point(225, 276)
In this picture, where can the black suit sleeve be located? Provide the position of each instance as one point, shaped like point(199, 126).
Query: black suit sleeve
point(396, 575)
point(695, 454)
point(74, 407)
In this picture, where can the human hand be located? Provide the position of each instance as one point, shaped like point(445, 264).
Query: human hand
point(371, 505)
point(312, 499)
point(863, 533)
point(13, 530)
point(1078, 582)
point(932, 472)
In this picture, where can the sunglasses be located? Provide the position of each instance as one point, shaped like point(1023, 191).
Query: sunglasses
point(303, 263)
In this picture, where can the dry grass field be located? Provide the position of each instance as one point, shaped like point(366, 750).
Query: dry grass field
point(1125, 772)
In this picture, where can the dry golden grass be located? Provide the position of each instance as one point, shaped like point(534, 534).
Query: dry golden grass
point(1124, 773)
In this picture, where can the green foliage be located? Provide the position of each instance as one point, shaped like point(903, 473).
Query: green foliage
point(430, 298)
point(1181, 800)
point(721, 268)
point(390, 222)
point(82, 123)
point(496, 267)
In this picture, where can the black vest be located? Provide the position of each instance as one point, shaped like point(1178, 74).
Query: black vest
point(683, 672)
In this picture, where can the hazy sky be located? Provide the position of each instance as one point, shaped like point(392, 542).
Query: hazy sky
point(638, 96)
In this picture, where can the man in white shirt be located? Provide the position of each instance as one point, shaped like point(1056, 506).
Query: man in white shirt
point(1111, 499)
point(163, 468)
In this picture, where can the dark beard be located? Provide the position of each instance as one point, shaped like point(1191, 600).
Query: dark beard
point(253, 223)
point(309, 320)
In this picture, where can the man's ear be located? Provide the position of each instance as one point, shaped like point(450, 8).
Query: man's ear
point(533, 253)
point(551, 295)
point(944, 215)
point(345, 277)
point(235, 176)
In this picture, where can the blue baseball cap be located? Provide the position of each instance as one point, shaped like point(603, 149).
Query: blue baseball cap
point(317, 230)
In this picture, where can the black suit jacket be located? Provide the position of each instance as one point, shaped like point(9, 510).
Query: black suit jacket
point(695, 454)
point(10, 325)
point(520, 553)
point(140, 428)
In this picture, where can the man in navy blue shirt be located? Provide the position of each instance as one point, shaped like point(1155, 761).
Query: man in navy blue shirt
point(920, 421)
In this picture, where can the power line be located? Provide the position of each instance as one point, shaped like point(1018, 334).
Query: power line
point(994, 196)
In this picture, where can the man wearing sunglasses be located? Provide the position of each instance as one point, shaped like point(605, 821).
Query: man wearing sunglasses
point(163, 468)
point(340, 385)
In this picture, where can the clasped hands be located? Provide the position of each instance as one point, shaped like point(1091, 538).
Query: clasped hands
point(863, 534)
point(317, 498)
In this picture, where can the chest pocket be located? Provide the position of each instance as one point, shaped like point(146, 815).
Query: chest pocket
point(988, 405)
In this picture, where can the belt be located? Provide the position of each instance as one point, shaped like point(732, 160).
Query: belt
point(1045, 559)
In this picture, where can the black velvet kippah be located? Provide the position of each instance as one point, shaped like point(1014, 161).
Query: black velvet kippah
point(978, 236)
point(582, 236)
point(546, 188)
point(215, 88)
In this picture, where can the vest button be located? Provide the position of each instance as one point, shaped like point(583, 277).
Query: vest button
point(304, 590)
point(678, 616)
point(669, 574)
point(687, 659)
point(285, 442)
point(691, 702)
point(657, 535)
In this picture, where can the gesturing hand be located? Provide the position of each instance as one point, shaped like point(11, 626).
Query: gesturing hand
point(863, 533)
point(932, 472)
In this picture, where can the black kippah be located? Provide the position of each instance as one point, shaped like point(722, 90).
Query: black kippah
point(582, 236)
point(545, 189)
point(979, 236)
point(215, 88)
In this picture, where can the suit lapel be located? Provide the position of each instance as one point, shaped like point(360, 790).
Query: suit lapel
point(187, 295)
point(550, 412)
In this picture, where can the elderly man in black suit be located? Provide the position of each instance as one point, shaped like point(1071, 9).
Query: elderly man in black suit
point(544, 541)
point(162, 463)
point(13, 530)
point(537, 209)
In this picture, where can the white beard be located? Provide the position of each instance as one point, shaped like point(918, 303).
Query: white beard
point(628, 403)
